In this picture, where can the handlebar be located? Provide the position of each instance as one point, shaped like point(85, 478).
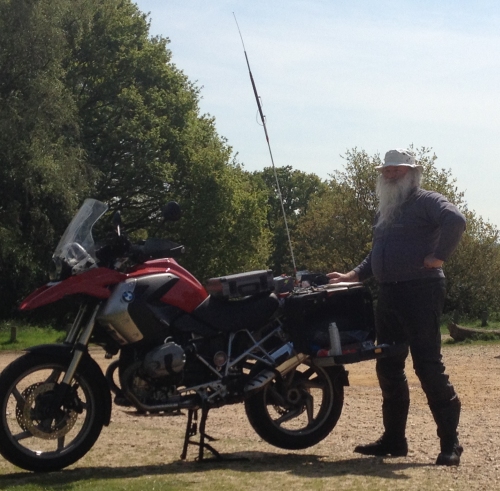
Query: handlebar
point(155, 249)
point(121, 247)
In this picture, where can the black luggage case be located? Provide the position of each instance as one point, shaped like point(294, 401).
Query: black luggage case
point(309, 313)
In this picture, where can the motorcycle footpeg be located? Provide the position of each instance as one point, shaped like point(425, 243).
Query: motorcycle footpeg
point(260, 380)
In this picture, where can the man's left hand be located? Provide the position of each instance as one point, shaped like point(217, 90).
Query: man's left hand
point(432, 262)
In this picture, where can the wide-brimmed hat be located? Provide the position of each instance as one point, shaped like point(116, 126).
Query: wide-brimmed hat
point(398, 157)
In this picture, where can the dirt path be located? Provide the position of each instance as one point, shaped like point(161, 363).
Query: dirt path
point(136, 440)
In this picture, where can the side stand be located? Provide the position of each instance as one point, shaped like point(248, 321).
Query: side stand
point(192, 430)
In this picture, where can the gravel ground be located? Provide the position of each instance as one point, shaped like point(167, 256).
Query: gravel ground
point(133, 440)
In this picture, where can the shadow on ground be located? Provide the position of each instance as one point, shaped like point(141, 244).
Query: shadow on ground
point(298, 465)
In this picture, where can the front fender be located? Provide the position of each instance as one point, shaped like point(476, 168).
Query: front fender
point(87, 364)
point(94, 282)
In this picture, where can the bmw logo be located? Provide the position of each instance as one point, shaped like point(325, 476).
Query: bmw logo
point(128, 296)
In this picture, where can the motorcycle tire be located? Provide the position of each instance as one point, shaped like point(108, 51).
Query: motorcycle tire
point(37, 436)
point(300, 409)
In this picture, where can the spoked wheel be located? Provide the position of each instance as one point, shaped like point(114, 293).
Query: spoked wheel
point(300, 409)
point(42, 428)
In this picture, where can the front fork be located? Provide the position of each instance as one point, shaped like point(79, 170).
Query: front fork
point(73, 353)
point(78, 336)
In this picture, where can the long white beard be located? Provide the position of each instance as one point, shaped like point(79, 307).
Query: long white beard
point(393, 193)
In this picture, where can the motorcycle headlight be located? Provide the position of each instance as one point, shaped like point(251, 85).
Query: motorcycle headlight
point(78, 259)
point(73, 260)
point(55, 269)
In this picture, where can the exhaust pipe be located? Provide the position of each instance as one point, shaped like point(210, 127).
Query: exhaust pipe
point(267, 375)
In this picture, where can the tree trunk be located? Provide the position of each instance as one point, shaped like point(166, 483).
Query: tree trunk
point(459, 333)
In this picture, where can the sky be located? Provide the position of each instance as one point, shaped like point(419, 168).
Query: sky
point(336, 75)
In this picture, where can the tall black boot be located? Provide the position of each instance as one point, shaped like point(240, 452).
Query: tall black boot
point(447, 418)
point(393, 441)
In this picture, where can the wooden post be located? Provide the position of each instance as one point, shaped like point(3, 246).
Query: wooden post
point(13, 334)
point(484, 318)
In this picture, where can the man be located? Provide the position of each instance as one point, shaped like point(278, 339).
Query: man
point(415, 231)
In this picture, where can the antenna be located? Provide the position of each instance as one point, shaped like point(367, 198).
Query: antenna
point(263, 119)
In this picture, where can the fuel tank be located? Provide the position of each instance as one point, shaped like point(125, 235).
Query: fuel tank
point(188, 292)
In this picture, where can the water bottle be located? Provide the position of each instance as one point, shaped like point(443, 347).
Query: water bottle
point(335, 346)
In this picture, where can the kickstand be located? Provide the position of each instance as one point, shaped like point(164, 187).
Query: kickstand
point(192, 430)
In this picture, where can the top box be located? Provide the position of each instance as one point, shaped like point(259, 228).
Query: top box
point(241, 285)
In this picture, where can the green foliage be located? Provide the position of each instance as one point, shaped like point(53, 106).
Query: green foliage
point(26, 335)
point(223, 224)
point(335, 234)
point(297, 190)
point(141, 130)
point(42, 176)
point(473, 270)
point(91, 105)
point(133, 105)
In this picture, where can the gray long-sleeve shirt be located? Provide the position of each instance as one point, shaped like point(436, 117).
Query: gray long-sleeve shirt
point(427, 224)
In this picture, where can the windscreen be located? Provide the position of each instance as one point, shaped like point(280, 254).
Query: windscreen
point(79, 231)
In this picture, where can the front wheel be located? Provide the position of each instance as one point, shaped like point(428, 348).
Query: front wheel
point(43, 429)
point(300, 409)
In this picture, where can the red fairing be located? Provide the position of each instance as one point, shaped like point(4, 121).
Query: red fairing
point(94, 282)
point(186, 294)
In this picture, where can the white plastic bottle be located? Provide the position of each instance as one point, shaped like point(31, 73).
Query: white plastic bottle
point(335, 346)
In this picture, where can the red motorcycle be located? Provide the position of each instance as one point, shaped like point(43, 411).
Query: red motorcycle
point(244, 338)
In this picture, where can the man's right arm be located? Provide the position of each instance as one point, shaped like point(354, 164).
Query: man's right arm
point(364, 270)
point(359, 273)
point(336, 277)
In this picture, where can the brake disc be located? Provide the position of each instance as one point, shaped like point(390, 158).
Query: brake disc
point(30, 415)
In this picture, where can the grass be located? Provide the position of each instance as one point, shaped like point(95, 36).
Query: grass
point(32, 335)
point(83, 480)
point(279, 473)
point(273, 472)
point(16, 336)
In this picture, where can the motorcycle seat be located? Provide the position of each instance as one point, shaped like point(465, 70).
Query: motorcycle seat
point(226, 315)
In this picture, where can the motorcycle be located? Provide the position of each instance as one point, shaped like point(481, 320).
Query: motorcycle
point(247, 338)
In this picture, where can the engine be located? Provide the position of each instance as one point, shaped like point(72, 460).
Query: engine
point(165, 360)
point(162, 379)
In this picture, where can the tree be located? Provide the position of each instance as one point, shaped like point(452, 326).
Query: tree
point(474, 270)
point(473, 280)
point(223, 226)
point(42, 175)
point(134, 105)
point(336, 232)
point(297, 190)
point(142, 131)
point(92, 106)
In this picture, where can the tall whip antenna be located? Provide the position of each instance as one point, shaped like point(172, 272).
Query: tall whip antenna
point(263, 119)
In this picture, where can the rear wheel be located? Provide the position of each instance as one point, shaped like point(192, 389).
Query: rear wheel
point(38, 431)
point(300, 409)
